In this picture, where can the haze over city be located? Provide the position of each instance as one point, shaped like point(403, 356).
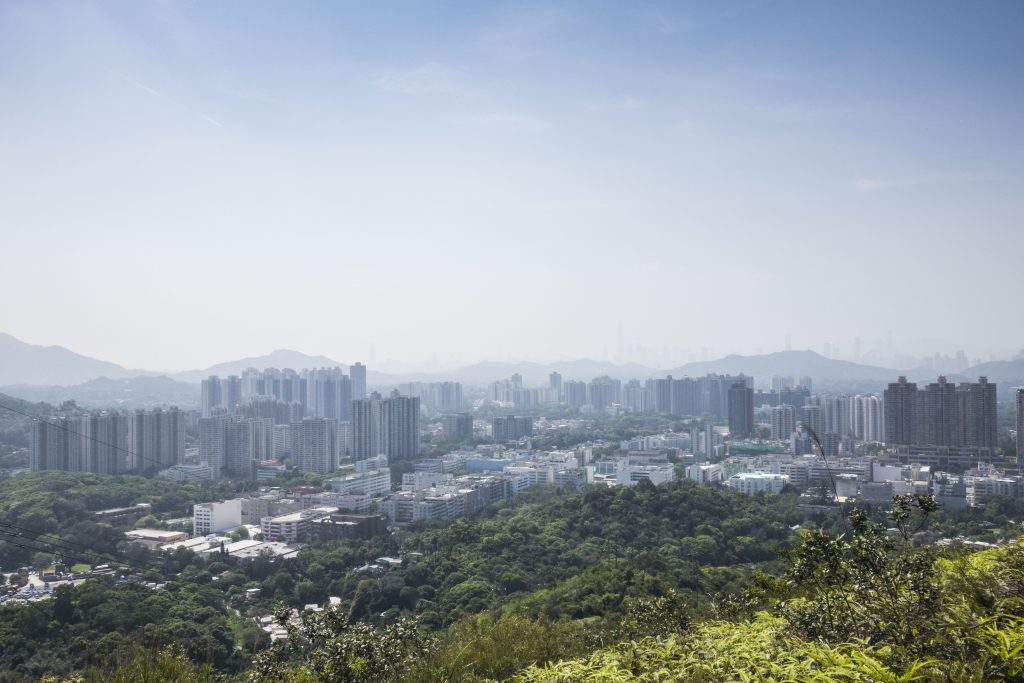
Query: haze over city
point(189, 183)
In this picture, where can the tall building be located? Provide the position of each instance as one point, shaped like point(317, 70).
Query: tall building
point(156, 439)
point(741, 410)
point(240, 448)
point(661, 395)
point(575, 394)
point(939, 410)
point(783, 422)
point(212, 434)
point(900, 404)
point(1020, 425)
point(634, 397)
point(52, 444)
point(357, 371)
point(873, 419)
point(328, 393)
point(231, 393)
point(211, 395)
point(814, 417)
point(685, 396)
point(400, 416)
point(388, 426)
point(315, 444)
point(367, 441)
point(457, 428)
point(104, 448)
point(511, 428)
point(280, 412)
point(604, 392)
point(555, 384)
point(978, 419)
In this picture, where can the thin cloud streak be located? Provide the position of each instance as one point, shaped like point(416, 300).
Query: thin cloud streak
point(160, 95)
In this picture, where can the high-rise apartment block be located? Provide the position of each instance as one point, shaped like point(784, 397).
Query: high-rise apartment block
point(457, 428)
point(900, 403)
point(511, 428)
point(156, 439)
point(388, 427)
point(96, 443)
point(1020, 425)
point(741, 410)
point(783, 422)
point(357, 371)
point(315, 444)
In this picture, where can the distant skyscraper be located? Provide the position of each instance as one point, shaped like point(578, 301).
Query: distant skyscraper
point(901, 412)
point(575, 394)
point(457, 428)
point(156, 439)
point(814, 417)
point(401, 427)
point(211, 395)
point(212, 434)
point(52, 448)
point(741, 410)
point(1020, 425)
point(978, 418)
point(938, 410)
point(357, 371)
point(231, 397)
point(367, 441)
point(603, 392)
point(555, 384)
point(388, 426)
point(105, 443)
point(783, 422)
point(511, 428)
point(871, 411)
point(315, 444)
point(240, 447)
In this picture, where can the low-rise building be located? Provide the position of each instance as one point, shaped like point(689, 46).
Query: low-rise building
point(216, 516)
point(289, 528)
point(757, 482)
point(704, 473)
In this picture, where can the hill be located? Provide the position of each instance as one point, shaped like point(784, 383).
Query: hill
point(104, 392)
point(789, 364)
point(22, 363)
point(1006, 373)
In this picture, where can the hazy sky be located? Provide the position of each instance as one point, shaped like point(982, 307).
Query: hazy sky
point(184, 183)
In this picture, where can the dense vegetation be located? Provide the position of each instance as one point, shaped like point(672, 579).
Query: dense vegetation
point(61, 505)
point(686, 578)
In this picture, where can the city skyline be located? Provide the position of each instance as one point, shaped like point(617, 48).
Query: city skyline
point(332, 178)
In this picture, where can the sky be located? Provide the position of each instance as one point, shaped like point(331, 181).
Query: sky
point(183, 183)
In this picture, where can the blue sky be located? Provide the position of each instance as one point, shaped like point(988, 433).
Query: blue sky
point(188, 182)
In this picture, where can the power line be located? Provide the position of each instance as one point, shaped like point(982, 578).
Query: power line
point(66, 546)
point(28, 544)
point(41, 420)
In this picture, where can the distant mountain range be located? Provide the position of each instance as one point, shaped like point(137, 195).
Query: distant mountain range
point(131, 392)
point(788, 364)
point(54, 374)
point(22, 363)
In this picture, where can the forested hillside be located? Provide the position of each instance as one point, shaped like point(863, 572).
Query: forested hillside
point(691, 579)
